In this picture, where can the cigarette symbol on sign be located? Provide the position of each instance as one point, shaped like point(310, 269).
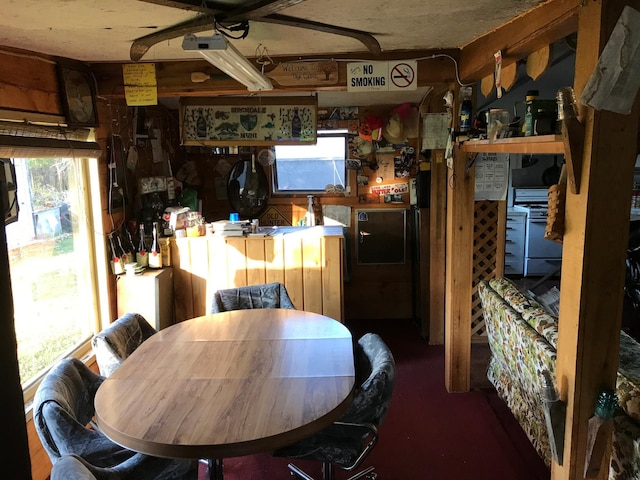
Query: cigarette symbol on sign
point(402, 75)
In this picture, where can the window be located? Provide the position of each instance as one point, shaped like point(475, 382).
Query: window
point(312, 168)
point(52, 263)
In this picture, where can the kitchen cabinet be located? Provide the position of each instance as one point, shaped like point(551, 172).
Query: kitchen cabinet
point(150, 294)
point(514, 243)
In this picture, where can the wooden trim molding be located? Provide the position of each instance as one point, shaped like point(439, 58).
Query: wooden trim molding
point(541, 26)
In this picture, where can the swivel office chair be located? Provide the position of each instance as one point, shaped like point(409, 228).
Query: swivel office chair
point(63, 409)
point(347, 442)
point(119, 340)
point(73, 467)
point(266, 295)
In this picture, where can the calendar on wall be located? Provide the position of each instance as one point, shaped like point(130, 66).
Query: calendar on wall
point(248, 121)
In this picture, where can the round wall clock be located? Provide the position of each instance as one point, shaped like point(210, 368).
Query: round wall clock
point(78, 95)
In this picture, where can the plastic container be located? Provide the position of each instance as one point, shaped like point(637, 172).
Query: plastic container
point(498, 123)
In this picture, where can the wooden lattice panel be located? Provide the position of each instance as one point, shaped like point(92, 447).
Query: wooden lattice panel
point(488, 255)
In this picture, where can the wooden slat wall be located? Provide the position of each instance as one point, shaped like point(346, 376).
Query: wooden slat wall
point(310, 267)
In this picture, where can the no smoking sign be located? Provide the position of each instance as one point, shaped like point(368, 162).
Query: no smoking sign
point(402, 75)
point(382, 76)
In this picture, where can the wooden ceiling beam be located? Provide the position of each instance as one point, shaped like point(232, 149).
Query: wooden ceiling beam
point(174, 77)
point(541, 26)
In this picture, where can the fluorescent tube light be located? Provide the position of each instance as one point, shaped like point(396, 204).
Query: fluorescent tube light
point(223, 55)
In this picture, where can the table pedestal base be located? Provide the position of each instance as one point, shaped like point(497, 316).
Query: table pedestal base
point(214, 469)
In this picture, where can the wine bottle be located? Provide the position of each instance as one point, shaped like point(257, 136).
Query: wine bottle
point(127, 254)
point(142, 255)
point(128, 240)
point(115, 259)
point(155, 255)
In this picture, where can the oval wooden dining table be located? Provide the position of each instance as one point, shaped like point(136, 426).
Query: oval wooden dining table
point(229, 384)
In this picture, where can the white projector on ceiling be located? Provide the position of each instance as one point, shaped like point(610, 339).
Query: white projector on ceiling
point(214, 42)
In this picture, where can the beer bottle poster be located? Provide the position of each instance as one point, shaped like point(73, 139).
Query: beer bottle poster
point(233, 122)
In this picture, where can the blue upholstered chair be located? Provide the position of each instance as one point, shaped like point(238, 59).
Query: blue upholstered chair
point(63, 410)
point(73, 467)
point(266, 295)
point(119, 340)
point(346, 443)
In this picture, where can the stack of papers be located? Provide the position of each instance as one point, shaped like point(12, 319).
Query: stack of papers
point(551, 300)
point(227, 228)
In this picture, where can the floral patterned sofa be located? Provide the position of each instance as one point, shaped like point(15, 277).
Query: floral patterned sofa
point(523, 339)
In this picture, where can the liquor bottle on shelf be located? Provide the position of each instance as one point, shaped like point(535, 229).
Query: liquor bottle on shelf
point(155, 254)
point(142, 255)
point(115, 256)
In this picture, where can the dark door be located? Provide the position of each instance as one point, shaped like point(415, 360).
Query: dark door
point(381, 236)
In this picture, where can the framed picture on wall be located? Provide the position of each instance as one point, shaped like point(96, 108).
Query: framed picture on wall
point(77, 94)
point(248, 121)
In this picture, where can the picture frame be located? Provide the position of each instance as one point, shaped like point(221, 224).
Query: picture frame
point(77, 94)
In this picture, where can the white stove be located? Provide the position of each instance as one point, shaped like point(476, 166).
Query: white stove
point(542, 256)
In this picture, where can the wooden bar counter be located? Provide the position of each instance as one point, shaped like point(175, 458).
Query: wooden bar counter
point(308, 261)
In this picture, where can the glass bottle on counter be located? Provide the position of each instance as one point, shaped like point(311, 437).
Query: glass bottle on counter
point(127, 254)
point(155, 254)
point(310, 217)
point(128, 240)
point(142, 255)
point(115, 257)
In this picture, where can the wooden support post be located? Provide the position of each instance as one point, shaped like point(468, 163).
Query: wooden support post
point(437, 226)
point(594, 249)
point(460, 188)
point(437, 247)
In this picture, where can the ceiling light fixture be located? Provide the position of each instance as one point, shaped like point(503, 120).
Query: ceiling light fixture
point(223, 55)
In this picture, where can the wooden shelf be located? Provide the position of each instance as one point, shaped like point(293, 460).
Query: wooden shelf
point(535, 144)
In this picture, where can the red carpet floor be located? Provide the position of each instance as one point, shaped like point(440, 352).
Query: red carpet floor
point(428, 434)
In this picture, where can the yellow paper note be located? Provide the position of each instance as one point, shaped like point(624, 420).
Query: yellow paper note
point(140, 87)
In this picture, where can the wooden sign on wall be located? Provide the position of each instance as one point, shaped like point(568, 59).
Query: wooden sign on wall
point(248, 121)
point(292, 74)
